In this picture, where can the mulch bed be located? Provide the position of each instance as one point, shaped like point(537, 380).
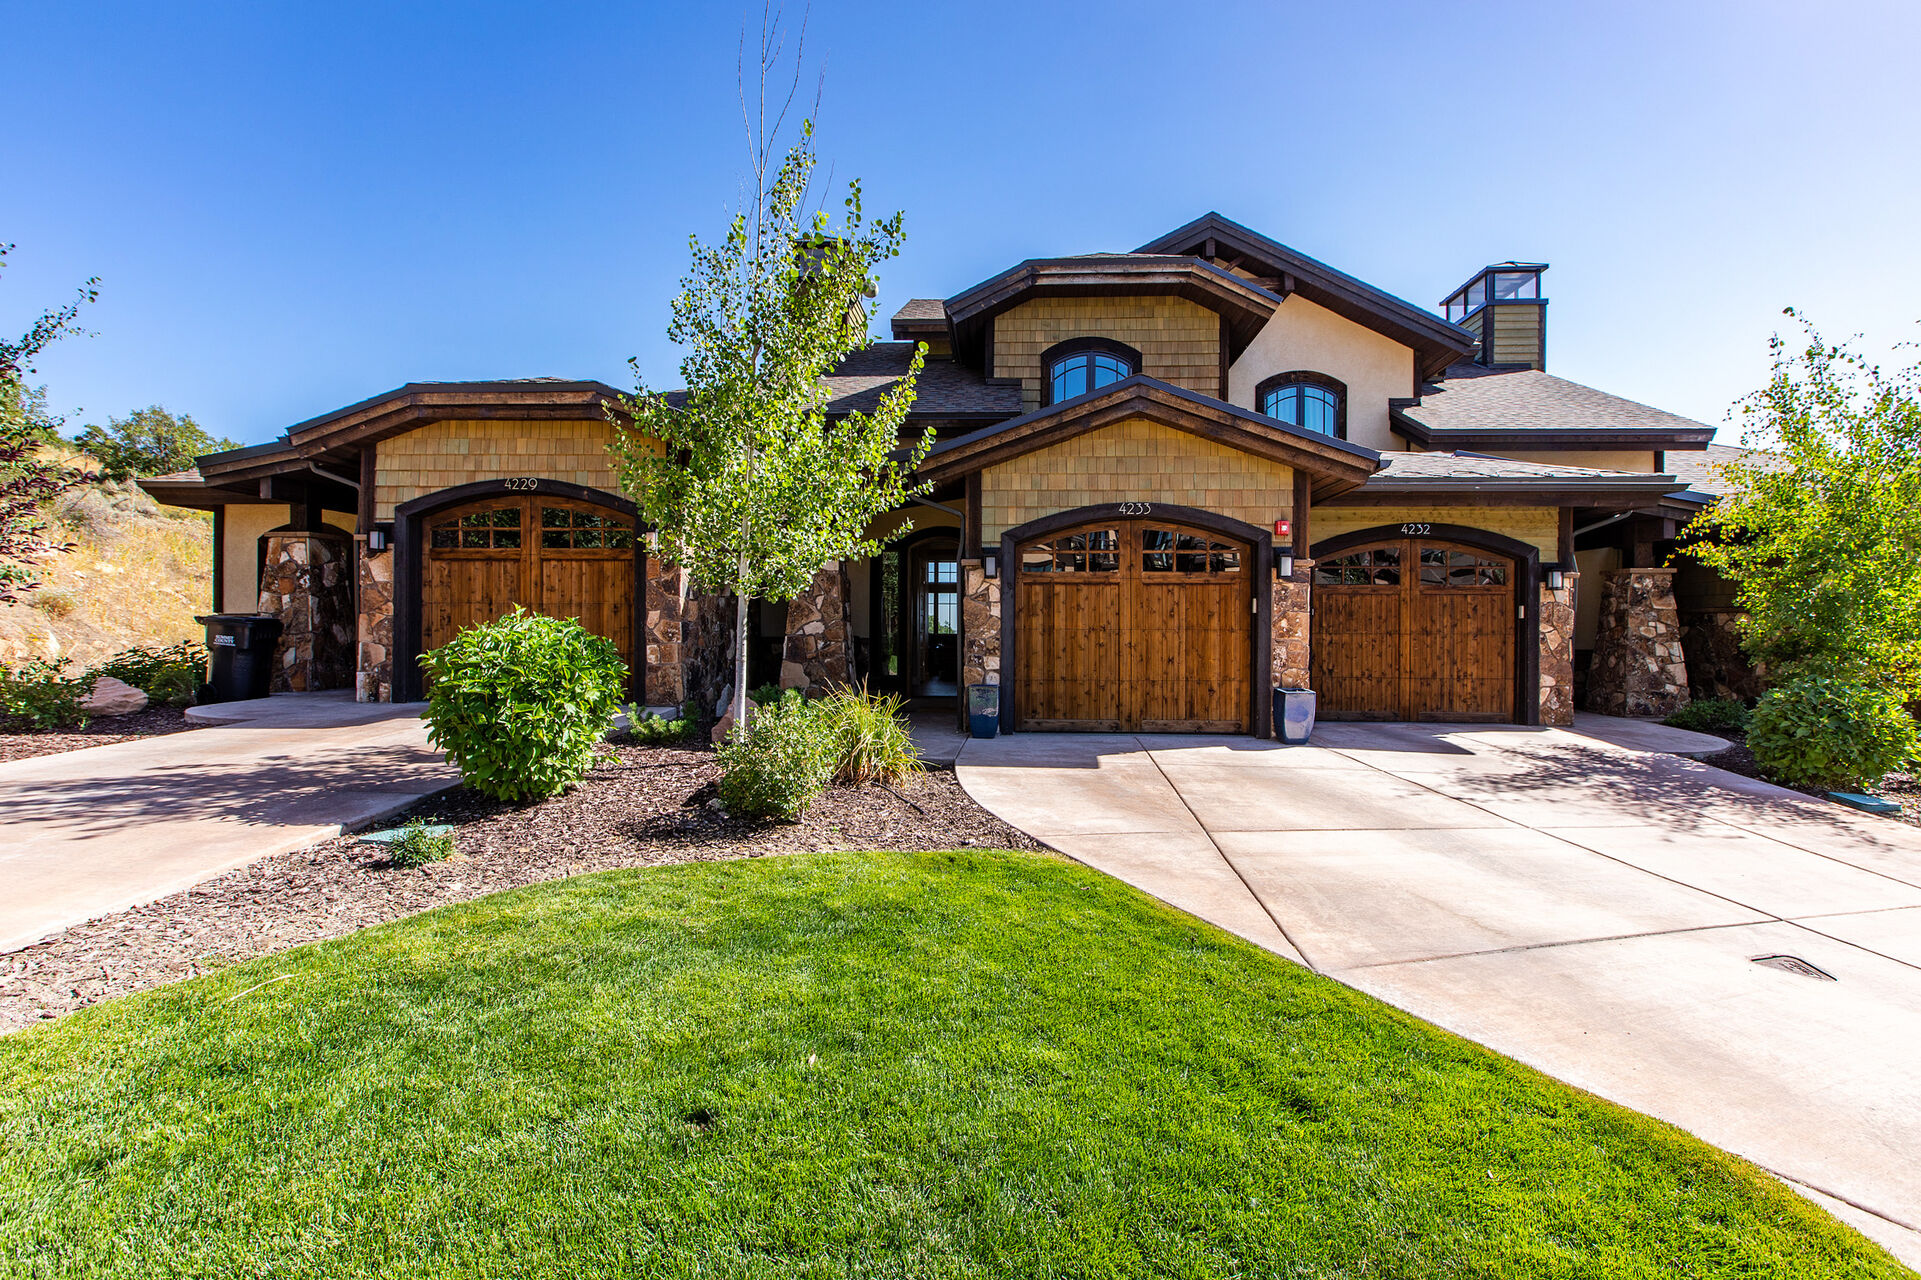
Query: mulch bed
point(1902, 788)
point(20, 744)
point(643, 807)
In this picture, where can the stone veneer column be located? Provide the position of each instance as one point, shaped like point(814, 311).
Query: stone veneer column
point(815, 656)
point(980, 659)
point(374, 668)
point(1291, 624)
point(666, 606)
point(305, 584)
point(1638, 667)
point(1718, 667)
point(1557, 652)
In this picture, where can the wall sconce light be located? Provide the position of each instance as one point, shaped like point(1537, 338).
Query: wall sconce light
point(1284, 566)
point(991, 565)
point(376, 539)
point(1554, 579)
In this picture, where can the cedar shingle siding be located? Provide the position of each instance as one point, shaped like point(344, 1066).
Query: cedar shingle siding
point(1179, 341)
point(441, 455)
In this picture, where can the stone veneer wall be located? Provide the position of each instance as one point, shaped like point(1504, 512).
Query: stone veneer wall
point(306, 584)
point(816, 657)
point(1718, 667)
point(1638, 667)
point(690, 640)
point(1557, 652)
point(1291, 624)
point(980, 657)
point(374, 668)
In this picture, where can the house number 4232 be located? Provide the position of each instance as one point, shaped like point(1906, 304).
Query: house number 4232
point(522, 484)
point(1417, 530)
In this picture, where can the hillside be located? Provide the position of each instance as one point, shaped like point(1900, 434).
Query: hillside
point(137, 574)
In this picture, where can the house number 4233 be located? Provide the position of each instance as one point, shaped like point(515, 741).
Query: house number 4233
point(1137, 508)
point(522, 484)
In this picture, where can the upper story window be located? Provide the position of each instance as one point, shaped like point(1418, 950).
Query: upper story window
point(1080, 365)
point(1503, 282)
point(1313, 401)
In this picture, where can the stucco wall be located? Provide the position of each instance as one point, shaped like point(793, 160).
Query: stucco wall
point(241, 527)
point(1179, 341)
point(1305, 336)
point(1641, 460)
point(1134, 461)
point(1538, 526)
point(441, 455)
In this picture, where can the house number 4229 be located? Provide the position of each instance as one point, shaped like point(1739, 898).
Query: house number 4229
point(522, 484)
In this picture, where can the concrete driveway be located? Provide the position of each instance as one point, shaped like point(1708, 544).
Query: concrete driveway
point(1592, 908)
point(88, 832)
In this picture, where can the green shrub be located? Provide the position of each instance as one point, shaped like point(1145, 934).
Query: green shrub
point(785, 758)
point(169, 677)
point(1712, 715)
point(872, 737)
point(769, 693)
point(520, 705)
point(41, 695)
point(1834, 734)
point(648, 729)
point(418, 844)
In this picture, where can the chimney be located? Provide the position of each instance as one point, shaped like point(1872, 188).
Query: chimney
point(1504, 307)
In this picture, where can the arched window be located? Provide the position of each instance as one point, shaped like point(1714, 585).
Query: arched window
point(1312, 401)
point(1081, 365)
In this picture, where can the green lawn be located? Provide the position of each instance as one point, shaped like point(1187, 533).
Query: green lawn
point(858, 1064)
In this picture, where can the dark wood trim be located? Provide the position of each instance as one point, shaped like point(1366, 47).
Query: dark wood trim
point(905, 590)
point(1303, 512)
point(1527, 594)
point(369, 477)
point(1226, 337)
point(1306, 378)
point(1083, 346)
point(1564, 544)
point(1547, 439)
point(409, 524)
point(219, 557)
point(1260, 714)
point(971, 523)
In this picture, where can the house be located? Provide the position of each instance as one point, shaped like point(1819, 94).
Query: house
point(1165, 481)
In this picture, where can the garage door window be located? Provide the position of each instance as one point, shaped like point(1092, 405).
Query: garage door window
point(1375, 567)
point(1171, 551)
point(1444, 568)
point(1090, 551)
point(479, 531)
point(571, 529)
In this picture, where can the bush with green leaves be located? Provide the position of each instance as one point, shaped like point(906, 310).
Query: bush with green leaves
point(764, 694)
point(520, 705)
point(167, 676)
point(873, 741)
point(648, 729)
point(418, 844)
point(41, 694)
point(1830, 733)
point(784, 759)
point(1712, 715)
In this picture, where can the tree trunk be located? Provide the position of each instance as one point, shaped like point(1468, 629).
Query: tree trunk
point(740, 649)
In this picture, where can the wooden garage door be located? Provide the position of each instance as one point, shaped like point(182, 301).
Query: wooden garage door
point(556, 556)
point(1135, 626)
point(1414, 629)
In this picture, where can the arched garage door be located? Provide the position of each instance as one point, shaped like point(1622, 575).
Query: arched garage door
point(1134, 626)
point(561, 557)
point(1415, 629)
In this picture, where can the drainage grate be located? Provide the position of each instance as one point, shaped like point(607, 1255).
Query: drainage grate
point(1793, 964)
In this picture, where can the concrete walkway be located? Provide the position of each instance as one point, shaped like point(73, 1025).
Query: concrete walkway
point(1590, 907)
point(88, 832)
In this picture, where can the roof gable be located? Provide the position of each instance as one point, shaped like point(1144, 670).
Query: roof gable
point(1523, 408)
point(1436, 342)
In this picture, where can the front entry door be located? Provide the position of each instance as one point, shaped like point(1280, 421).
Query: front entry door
point(1135, 626)
point(1415, 629)
point(936, 637)
point(555, 556)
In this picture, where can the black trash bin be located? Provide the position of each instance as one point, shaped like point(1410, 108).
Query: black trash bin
point(241, 649)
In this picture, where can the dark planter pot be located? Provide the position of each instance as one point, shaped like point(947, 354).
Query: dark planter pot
point(1294, 715)
point(983, 710)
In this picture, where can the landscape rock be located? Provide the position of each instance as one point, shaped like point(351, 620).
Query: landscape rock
point(111, 697)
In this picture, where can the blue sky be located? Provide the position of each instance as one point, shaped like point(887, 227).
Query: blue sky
point(292, 207)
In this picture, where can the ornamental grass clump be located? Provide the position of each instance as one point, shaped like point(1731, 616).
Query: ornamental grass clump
point(1831, 733)
point(874, 743)
point(521, 705)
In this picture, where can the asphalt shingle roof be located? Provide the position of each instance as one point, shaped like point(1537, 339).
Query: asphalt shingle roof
point(1479, 399)
point(922, 309)
point(944, 386)
point(1702, 471)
